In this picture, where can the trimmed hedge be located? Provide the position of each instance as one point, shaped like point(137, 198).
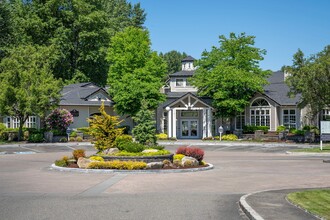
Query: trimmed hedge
point(118, 165)
point(250, 129)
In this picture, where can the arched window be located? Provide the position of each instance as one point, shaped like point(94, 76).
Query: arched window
point(260, 112)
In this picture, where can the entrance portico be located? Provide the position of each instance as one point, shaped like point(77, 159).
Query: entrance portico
point(188, 117)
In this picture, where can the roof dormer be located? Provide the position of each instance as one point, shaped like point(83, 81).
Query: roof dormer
point(188, 64)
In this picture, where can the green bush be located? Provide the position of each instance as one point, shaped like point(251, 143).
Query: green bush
point(63, 139)
point(131, 147)
point(2, 130)
point(78, 153)
point(131, 154)
point(61, 163)
point(229, 137)
point(97, 158)
point(36, 138)
point(280, 129)
point(73, 134)
point(72, 139)
point(119, 165)
point(122, 139)
point(157, 147)
point(79, 139)
point(250, 129)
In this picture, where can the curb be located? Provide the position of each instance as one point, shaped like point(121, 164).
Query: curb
point(247, 209)
point(307, 154)
point(104, 171)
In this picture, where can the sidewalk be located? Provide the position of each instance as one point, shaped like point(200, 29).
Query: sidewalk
point(272, 205)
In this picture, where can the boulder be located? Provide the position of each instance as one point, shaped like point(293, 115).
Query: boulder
point(83, 162)
point(150, 151)
point(189, 161)
point(113, 150)
point(155, 165)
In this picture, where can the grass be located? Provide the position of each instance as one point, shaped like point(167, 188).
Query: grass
point(315, 201)
point(326, 149)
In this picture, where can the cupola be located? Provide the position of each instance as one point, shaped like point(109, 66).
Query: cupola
point(188, 64)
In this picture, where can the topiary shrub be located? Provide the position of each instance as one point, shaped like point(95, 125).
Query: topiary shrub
point(63, 139)
point(72, 139)
point(78, 153)
point(119, 165)
point(79, 139)
point(229, 137)
point(97, 158)
point(250, 129)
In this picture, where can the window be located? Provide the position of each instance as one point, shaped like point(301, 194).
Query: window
point(189, 114)
point(240, 121)
point(15, 122)
point(179, 82)
point(326, 115)
point(289, 118)
point(31, 122)
point(260, 113)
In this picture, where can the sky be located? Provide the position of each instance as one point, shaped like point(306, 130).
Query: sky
point(280, 26)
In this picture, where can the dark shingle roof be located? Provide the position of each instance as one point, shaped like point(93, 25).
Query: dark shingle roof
point(182, 73)
point(77, 94)
point(187, 59)
point(278, 90)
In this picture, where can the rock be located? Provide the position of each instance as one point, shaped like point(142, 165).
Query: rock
point(113, 150)
point(189, 161)
point(155, 165)
point(83, 162)
point(150, 151)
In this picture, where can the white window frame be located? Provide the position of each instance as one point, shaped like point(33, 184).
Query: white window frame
point(31, 122)
point(180, 79)
point(16, 122)
point(261, 108)
point(194, 111)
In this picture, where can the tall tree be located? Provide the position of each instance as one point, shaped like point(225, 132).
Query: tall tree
point(80, 30)
point(6, 27)
point(27, 85)
point(173, 60)
point(135, 73)
point(230, 74)
point(310, 77)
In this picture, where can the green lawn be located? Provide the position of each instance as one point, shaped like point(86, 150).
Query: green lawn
point(315, 201)
point(326, 149)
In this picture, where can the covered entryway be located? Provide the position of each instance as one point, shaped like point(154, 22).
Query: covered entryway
point(189, 117)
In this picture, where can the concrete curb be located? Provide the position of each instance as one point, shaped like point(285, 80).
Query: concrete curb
point(307, 154)
point(247, 209)
point(104, 171)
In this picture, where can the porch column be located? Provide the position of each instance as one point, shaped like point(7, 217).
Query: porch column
point(204, 122)
point(209, 122)
point(169, 123)
point(174, 123)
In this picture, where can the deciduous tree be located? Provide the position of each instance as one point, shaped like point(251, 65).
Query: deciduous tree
point(230, 74)
point(173, 60)
point(27, 86)
point(136, 72)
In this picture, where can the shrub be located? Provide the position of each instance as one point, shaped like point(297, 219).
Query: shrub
point(177, 163)
point(131, 147)
point(72, 139)
point(161, 136)
point(167, 162)
point(59, 119)
point(178, 157)
point(79, 139)
point(157, 147)
point(65, 158)
point(122, 139)
point(229, 137)
point(63, 139)
point(158, 153)
point(280, 129)
point(196, 153)
point(119, 165)
point(104, 129)
point(36, 138)
point(61, 163)
point(125, 128)
point(73, 134)
point(249, 129)
point(97, 158)
point(78, 153)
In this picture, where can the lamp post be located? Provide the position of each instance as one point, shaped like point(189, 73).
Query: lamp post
point(220, 129)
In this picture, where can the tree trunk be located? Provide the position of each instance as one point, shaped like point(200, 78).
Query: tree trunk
point(20, 129)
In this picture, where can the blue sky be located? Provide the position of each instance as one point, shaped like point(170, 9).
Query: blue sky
point(280, 26)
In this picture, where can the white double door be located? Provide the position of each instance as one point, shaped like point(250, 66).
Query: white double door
point(189, 128)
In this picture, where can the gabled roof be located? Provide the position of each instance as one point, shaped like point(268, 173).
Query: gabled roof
point(78, 94)
point(172, 100)
point(278, 90)
point(182, 73)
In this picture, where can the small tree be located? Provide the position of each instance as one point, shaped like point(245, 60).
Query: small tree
point(104, 128)
point(145, 131)
point(59, 120)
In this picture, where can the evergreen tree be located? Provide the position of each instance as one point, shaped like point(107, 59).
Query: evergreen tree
point(145, 130)
point(173, 60)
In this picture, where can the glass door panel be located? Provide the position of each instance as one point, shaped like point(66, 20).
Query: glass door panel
point(193, 128)
point(184, 128)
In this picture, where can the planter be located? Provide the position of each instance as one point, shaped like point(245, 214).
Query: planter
point(146, 159)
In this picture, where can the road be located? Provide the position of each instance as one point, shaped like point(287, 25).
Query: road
point(30, 190)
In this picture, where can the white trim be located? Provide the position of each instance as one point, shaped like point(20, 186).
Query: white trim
point(169, 121)
point(174, 123)
point(295, 114)
point(204, 123)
